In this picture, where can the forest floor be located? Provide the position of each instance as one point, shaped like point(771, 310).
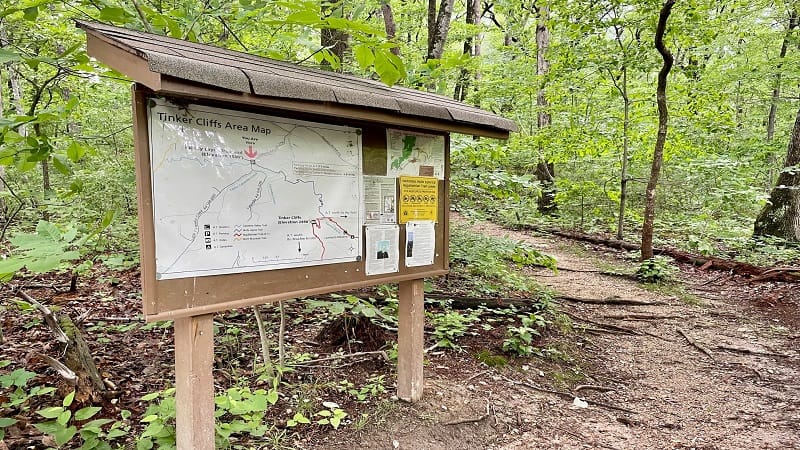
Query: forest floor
point(714, 364)
point(710, 361)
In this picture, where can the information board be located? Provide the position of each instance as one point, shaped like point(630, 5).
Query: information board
point(241, 192)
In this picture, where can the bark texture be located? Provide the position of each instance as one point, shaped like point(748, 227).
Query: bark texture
point(78, 358)
point(389, 24)
point(337, 41)
point(661, 138)
point(472, 48)
point(781, 216)
point(438, 27)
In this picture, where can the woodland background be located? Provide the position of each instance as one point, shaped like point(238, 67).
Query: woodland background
point(578, 76)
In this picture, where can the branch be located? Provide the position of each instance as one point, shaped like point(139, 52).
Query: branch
point(49, 317)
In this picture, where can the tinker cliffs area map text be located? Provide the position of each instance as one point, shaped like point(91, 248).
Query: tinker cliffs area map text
point(239, 192)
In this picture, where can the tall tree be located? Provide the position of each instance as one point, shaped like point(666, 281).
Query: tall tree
point(389, 24)
point(661, 137)
point(334, 40)
point(792, 24)
point(438, 27)
point(545, 170)
point(781, 215)
point(472, 47)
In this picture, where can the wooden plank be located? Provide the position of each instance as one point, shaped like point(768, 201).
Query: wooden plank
point(288, 295)
point(144, 196)
point(410, 340)
point(121, 60)
point(194, 383)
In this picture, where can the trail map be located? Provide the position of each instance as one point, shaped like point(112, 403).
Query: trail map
point(239, 192)
point(414, 154)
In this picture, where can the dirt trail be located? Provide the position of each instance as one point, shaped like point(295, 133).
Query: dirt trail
point(743, 394)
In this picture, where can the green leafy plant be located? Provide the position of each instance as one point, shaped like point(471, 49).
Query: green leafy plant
point(64, 425)
point(15, 383)
point(373, 387)
point(519, 340)
point(350, 304)
point(239, 411)
point(51, 247)
point(655, 270)
point(451, 325)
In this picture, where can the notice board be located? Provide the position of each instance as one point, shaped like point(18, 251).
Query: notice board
point(248, 206)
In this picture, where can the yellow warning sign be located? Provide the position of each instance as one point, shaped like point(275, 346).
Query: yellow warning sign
point(419, 199)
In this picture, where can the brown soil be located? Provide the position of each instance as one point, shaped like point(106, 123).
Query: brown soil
point(646, 385)
point(746, 397)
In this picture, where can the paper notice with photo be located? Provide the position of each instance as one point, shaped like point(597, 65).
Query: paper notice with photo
point(380, 199)
point(420, 243)
point(383, 249)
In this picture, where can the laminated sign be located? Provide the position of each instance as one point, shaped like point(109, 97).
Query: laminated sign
point(419, 199)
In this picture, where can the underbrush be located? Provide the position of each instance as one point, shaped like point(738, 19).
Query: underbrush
point(330, 368)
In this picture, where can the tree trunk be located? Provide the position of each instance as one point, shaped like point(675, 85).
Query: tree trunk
point(438, 27)
point(623, 183)
point(78, 358)
point(781, 215)
point(661, 138)
point(389, 24)
point(336, 41)
point(545, 171)
point(794, 21)
point(471, 48)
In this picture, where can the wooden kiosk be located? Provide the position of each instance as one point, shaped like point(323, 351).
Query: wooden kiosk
point(261, 181)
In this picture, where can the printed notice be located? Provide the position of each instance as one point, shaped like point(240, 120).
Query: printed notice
point(414, 154)
point(419, 198)
point(420, 243)
point(383, 251)
point(380, 200)
point(240, 192)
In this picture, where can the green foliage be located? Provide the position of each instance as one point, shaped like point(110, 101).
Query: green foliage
point(15, 383)
point(374, 387)
point(655, 270)
point(354, 306)
point(519, 340)
point(64, 425)
point(448, 326)
point(488, 260)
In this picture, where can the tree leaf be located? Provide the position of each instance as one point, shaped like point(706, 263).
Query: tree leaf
point(364, 56)
point(7, 422)
point(61, 165)
point(30, 14)
point(65, 435)
point(386, 67)
point(86, 413)
point(68, 399)
point(51, 412)
point(75, 151)
point(7, 56)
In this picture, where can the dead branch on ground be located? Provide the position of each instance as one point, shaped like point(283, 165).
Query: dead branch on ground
point(748, 351)
point(694, 344)
point(787, 274)
point(613, 300)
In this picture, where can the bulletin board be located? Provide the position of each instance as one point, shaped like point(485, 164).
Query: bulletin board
point(242, 205)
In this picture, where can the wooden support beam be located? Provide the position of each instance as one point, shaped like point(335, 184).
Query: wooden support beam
point(410, 340)
point(194, 383)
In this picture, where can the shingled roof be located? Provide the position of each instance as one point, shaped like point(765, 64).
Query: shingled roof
point(172, 66)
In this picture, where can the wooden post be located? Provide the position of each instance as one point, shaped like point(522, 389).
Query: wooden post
point(194, 384)
point(410, 340)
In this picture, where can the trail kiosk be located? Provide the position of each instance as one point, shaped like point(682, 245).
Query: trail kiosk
point(261, 181)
